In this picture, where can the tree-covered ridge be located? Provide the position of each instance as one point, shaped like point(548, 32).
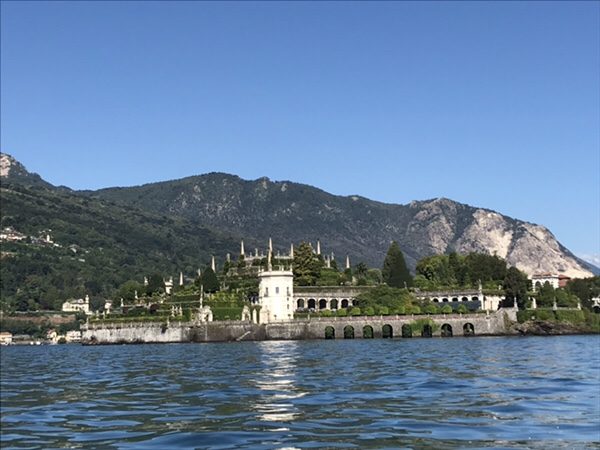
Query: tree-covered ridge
point(354, 225)
point(100, 245)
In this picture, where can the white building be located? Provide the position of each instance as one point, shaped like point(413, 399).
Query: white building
point(11, 235)
point(6, 338)
point(52, 336)
point(168, 285)
point(77, 305)
point(491, 302)
point(276, 295)
point(73, 336)
point(543, 278)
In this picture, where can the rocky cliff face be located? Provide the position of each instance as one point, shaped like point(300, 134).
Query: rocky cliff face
point(13, 170)
point(362, 228)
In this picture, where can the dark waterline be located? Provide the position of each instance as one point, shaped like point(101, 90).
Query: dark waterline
point(534, 392)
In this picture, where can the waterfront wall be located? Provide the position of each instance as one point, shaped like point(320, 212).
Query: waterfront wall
point(496, 323)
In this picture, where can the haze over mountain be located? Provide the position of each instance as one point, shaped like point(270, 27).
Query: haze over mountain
point(292, 212)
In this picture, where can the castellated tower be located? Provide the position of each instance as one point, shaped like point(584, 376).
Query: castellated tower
point(276, 295)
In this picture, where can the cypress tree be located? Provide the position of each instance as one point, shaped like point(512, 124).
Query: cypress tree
point(155, 284)
point(395, 273)
point(307, 265)
point(209, 280)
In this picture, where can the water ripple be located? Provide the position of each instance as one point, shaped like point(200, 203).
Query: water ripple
point(536, 393)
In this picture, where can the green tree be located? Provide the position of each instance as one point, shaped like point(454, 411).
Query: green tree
point(413, 309)
point(456, 269)
point(328, 277)
point(361, 269)
point(565, 299)
point(585, 289)
point(383, 295)
point(383, 310)
point(128, 289)
point(545, 295)
point(515, 287)
point(436, 270)
point(355, 311)
point(209, 280)
point(431, 309)
point(155, 284)
point(487, 268)
point(226, 266)
point(307, 266)
point(374, 276)
point(394, 272)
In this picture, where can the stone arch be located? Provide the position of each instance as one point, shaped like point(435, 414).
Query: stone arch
point(300, 303)
point(322, 304)
point(454, 299)
point(387, 332)
point(334, 303)
point(246, 314)
point(464, 299)
point(475, 299)
point(348, 332)
point(312, 303)
point(406, 331)
point(427, 331)
point(446, 330)
point(329, 332)
point(368, 332)
point(445, 300)
point(436, 300)
point(354, 302)
point(344, 303)
point(468, 329)
point(596, 309)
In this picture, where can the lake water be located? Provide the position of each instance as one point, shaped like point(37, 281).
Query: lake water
point(520, 392)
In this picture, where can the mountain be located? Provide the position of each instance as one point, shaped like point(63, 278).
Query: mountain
point(95, 245)
point(176, 225)
point(12, 170)
point(362, 228)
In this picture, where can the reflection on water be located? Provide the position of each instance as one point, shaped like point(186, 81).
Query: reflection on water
point(277, 382)
point(422, 393)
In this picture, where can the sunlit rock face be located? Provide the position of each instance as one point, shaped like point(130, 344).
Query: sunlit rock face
point(5, 165)
point(13, 170)
point(537, 250)
point(531, 248)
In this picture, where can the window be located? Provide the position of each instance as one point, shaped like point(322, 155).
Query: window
point(266, 292)
point(277, 290)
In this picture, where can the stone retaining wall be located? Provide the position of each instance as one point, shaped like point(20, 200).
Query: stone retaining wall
point(135, 332)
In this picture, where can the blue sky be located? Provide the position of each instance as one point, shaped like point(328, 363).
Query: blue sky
point(491, 104)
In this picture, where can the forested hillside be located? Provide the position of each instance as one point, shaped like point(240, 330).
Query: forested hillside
point(99, 245)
